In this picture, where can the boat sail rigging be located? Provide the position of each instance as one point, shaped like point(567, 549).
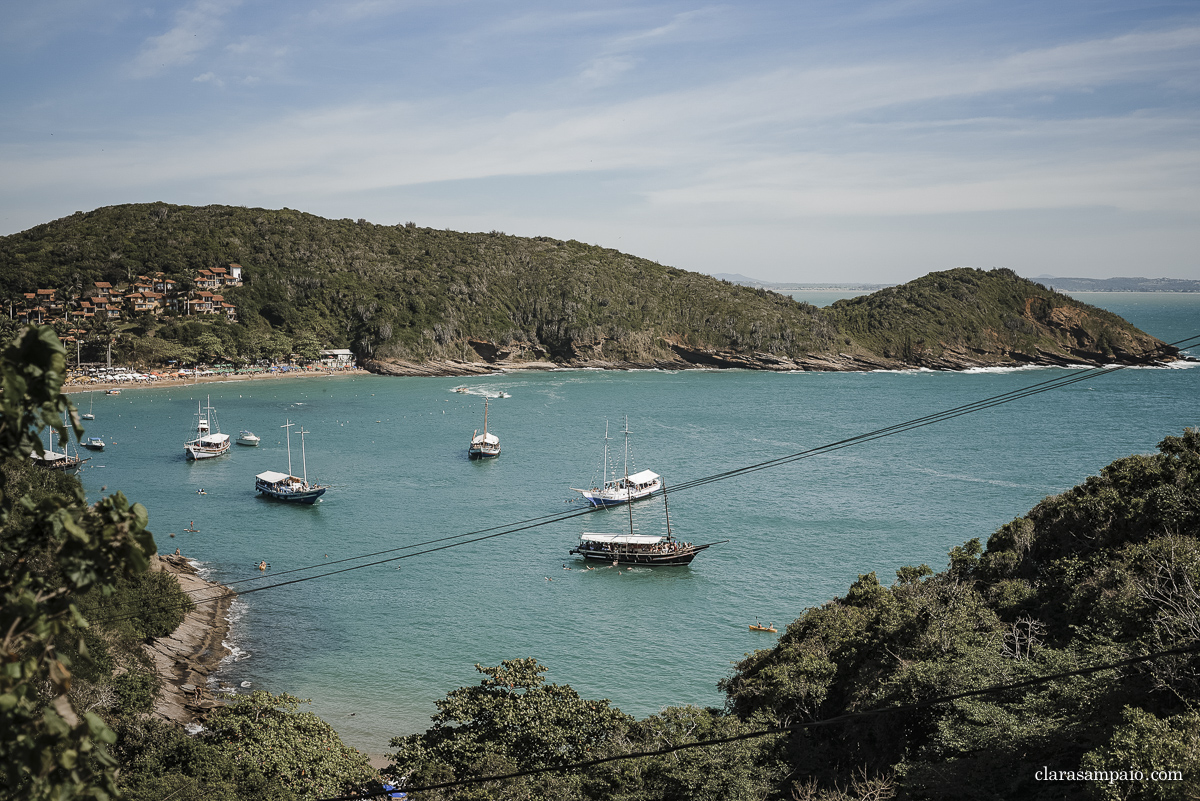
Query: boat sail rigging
point(639, 549)
point(625, 489)
point(484, 445)
point(285, 486)
point(209, 441)
point(52, 460)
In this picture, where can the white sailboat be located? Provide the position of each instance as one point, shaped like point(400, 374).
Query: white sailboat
point(209, 440)
point(624, 489)
point(88, 414)
point(484, 445)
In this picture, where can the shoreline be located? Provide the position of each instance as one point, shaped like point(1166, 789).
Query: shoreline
point(706, 360)
point(74, 389)
point(843, 363)
point(186, 658)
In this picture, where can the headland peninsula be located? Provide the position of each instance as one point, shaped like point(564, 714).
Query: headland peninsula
point(149, 284)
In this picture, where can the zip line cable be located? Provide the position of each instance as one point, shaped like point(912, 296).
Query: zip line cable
point(553, 515)
point(536, 522)
point(837, 719)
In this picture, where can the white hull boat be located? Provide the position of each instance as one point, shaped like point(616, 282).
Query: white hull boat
point(484, 445)
point(621, 489)
point(209, 442)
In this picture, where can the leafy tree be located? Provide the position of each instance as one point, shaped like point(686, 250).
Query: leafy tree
point(746, 769)
point(510, 721)
point(1107, 570)
point(1147, 743)
point(296, 751)
point(47, 749)
point(307, 346)
point(158, 761)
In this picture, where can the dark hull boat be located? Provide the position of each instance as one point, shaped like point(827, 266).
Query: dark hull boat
point(626, 549)
point(291, 489)
point(638, 549)
point(63, 462)
point(286, 487)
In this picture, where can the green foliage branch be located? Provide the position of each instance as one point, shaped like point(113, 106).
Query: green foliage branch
point(47, 749)
point(298, 751)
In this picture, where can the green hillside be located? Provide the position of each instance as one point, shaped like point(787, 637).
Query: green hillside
point(419, 295)
point(961, 314)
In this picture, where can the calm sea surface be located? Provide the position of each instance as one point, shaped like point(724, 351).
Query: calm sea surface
point(375, 647)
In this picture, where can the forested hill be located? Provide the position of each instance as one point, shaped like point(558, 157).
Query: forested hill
point(412, 299)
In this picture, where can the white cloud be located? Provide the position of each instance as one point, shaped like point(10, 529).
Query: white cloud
point(780, 148)
point(616, 56)
point(208, 77)
point(196, 26)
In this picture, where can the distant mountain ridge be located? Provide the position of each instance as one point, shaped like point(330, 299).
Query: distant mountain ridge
point(1054, 282)
point(1118, 284)
point(744, 280)
point(422, 301)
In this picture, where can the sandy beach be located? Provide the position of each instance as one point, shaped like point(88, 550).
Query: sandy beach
point(186, 657)
point(98, 386)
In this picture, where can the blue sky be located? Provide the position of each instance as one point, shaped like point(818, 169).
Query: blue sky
point(789, 141)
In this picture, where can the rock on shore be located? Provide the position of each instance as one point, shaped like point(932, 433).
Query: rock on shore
point(184, 659)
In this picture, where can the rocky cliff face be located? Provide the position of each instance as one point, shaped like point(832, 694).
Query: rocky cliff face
point(953, 320)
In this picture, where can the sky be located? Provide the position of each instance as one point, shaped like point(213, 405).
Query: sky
point(787, 141)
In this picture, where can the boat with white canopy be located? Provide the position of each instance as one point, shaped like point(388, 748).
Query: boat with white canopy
point(209, 440)
point(484, 445)
point(285, 486)
point(639, 549)
point(621, 489)
point(51, 459)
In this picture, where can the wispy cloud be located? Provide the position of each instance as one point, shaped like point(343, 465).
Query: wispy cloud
point(209, 77)
point(195, 29)
point(618, 54)
point(1105, 121)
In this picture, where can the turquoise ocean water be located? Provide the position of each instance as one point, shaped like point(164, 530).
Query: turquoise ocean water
point(376, 646)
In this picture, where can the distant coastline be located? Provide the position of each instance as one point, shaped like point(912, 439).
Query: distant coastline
point(1054, 282)
point(1118, 284)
